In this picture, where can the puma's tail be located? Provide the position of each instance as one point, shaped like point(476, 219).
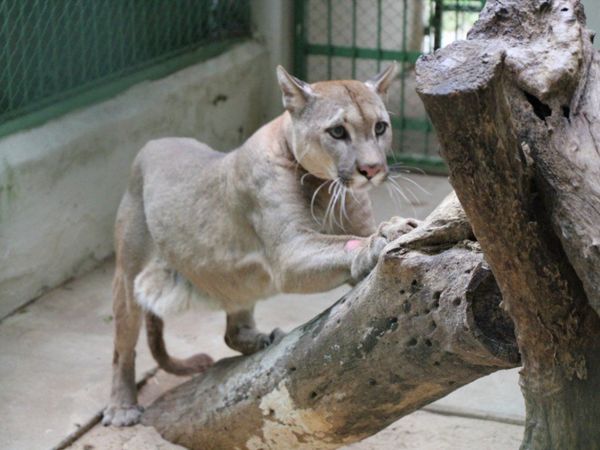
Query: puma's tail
point(195, 364)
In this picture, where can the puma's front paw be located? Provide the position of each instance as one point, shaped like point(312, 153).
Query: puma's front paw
point(366, 257)
point(122, 416)
point(397, 226)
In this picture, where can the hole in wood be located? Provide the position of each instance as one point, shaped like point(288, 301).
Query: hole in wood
point(540, 109)
point(566, 112)
point(456, 301)
point(412, 342)
point(489, 319)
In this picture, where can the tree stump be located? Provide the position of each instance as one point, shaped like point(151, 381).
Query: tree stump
point(516, 108)
point(425, 322)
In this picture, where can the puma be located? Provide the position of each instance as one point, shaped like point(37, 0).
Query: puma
point(288, 211)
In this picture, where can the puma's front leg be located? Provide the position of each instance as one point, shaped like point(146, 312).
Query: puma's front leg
point(371, 247)
point(368, 251)
point(314, 262)
point(241, 333)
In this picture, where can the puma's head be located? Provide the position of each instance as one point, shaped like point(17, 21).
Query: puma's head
point(340, 129)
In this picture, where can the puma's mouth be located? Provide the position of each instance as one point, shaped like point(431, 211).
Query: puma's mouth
point(361, 180)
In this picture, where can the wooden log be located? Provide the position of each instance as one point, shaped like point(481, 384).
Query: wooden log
point(425, 322)
point(516, 109)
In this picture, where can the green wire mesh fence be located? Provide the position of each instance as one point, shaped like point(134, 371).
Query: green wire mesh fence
point(340, 39)
point(54, 49)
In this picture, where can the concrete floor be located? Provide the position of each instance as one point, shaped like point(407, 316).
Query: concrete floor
point(55, 367)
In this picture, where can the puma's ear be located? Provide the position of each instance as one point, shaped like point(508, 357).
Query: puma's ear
point(296, 93)
point(382, 81)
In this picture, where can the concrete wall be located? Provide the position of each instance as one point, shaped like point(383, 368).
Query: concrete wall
point(60, 183)
point(273, 21)
point(592, 11)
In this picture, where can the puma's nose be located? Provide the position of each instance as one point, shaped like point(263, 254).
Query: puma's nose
point(370, 170)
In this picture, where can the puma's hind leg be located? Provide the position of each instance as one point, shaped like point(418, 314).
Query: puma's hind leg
point(241, 333)
point(123, 409)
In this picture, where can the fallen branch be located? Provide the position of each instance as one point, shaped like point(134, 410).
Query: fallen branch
point(425, 322)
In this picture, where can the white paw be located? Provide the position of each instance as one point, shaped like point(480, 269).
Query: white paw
point(122, 416)
point(367, 257)
point(397, 226)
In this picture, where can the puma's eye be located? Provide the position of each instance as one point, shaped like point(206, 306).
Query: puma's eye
point(380, 128)
point(338, 132)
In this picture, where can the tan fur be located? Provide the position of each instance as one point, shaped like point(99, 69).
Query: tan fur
point(239, 227)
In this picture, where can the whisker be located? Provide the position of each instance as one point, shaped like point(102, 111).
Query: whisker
point(304, 176)
point(408, 168)
point(333, 185)
point(343, 204)
point(412, 182)
point(342, 200)
point(329, 205)
point(399, 189)
point(339, 199)
point(394, 196)
point(407, 172)
point(415, 198)
point(312, 200)
point(336, 197)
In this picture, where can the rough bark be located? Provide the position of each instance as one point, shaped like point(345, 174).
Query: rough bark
point(425, 322)
point(516, 108)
